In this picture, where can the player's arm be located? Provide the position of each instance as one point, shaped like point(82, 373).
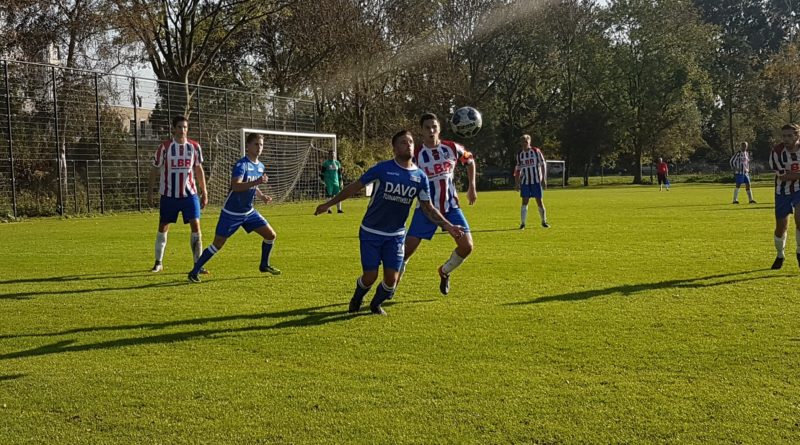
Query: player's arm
point(262, 196)
point(200, 174)
point(152, 184)
point(543, 169)
point(348, 192)
point(437, 218)
point(238, 186)
point(517, 179)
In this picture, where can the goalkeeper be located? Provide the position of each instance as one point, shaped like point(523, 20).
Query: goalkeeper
point(331, 174)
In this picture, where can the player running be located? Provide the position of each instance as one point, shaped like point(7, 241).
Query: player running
point(785, 160)
point(530, 176)
point(396, 183)
point(238, 211)
point(178, 163)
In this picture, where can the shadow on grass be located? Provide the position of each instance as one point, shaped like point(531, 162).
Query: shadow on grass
point(30, 294)
point(4, 378)
point(86, 277)
point(311, 316)
point(629, 289)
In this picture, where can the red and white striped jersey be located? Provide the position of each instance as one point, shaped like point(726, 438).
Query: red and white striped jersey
point(740, 162)
point(439, 163)
point(530, 164)
point(784, 161)
point(176, 163)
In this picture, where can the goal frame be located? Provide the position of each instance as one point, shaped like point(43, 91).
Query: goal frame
point(563, 170)
point(244, 131)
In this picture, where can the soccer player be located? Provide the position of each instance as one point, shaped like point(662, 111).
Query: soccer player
point(332, 176)
point(662, 171)
point(238, 211)
point(530, 176)
point(178, 163)
point(785, 160)
point(438, 159)
point(740, 163)
point(396, 183)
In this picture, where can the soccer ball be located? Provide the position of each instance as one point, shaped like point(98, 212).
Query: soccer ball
point(466, 122)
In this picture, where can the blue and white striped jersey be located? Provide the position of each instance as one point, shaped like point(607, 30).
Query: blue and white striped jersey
point(530, 164)
point(740, 163)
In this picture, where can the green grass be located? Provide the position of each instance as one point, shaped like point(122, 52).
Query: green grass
point(639, 317)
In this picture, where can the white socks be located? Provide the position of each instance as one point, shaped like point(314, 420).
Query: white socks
point(750, 194)
point(452, 263)
point(780, 246)
point(161, 244)
point(736, 194)
point(543, 214)
point(196, 243)
point(339, 206)
point(523, 214)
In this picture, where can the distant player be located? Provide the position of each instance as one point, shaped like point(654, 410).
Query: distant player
point(530, 176)
point(662, 171)
point(785, 160)
point(396, 183)
point(332, 177)
point(740, 163)
point(238, 211)
point(438, 159)
point(178, 165)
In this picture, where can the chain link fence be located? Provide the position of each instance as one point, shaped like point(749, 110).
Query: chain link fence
point(78, 142)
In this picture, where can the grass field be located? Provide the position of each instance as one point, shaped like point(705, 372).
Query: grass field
point(639, 317)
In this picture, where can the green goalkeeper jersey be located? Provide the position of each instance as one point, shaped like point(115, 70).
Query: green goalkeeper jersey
point(330, 171)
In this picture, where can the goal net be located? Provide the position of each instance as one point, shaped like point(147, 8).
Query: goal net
point(556, 173)
point(292, 161)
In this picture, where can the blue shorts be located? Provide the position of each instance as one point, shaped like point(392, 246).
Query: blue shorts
point(423, 228)
point(742, 178)
point(377, 249)
point(531, 190)
point(228, 224)
point(785, 204)
point(168, 209)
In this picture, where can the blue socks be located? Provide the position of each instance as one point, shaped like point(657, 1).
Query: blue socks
point(266, 250)
point(204, 257)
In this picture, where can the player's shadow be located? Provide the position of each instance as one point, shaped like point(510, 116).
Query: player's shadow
point(5, 378)
point(297, 318)
point(84, 277)
point(27, 295)
point(630, 289)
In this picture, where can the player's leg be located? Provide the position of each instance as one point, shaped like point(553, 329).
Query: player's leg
point(329, 192)
point(736, 190)
point(337, 189)
point(167, 214)
point(190, 209)
point(523, 213)
point(226, 226)
point(463, 249)
point(421, 228)
point(538, 194)
point(392, 258)
point(783, 208)
point(370, 261)
point(749, 190)
point(269, 235)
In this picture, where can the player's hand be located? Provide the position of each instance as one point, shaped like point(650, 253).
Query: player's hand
point(455, 231)
point(322, 208)
point(472, 195)
point(203, 200)
point(266, 198)
point(262, 180)
point(544, 185)
point(151, 199)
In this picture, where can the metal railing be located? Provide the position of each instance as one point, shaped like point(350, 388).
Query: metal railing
point(75, 141)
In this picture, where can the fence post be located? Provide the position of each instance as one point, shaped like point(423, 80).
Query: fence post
point(226, 109)
point(200, 124)
point(169, 108)
point(60, 209)
point(88, 201)
point(10, 143)
point(75, 186)
point(136, 146)
point(99, 143)
point(251, 110)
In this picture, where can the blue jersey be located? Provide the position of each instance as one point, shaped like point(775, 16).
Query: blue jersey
point(393, 193)
point(241, 203)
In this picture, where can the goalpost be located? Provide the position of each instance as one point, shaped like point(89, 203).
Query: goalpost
point(556, 173)
point(292, 161)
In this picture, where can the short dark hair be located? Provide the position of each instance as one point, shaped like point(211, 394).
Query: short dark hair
point(251, 137)
point(400, 134)
point(178, 119)
point(427, 116)
point(792, 127)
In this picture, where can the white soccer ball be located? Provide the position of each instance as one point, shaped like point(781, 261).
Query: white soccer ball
point(466, 122)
